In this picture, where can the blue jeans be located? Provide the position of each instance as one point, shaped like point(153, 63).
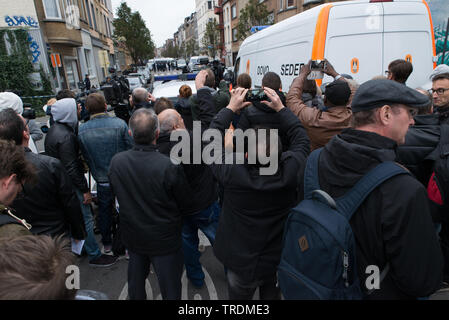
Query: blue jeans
point(90, 244)
point(105, 203)
point(207, 222)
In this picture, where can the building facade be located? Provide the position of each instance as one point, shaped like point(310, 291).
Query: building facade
point(204, 14)
point(23, 15)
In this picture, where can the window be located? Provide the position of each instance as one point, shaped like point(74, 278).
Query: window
point(106, 26)
point(93, 14)
point(88, 12)
point(290, 3)
point(209, 5)
point(51, 8)
point(281, 5)
point(234, 34)
point(88, 55)
point(234, 11)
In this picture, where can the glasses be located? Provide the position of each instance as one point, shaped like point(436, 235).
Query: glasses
point(439, 91)
point(387, 73)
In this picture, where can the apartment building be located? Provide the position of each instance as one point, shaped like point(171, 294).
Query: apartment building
point(23, 15)
point(80, 31)
point(204, 14)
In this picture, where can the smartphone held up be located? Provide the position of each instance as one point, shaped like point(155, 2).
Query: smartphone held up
point(317, 68)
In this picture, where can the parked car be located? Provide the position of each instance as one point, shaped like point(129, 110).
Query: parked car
point(181, 65)
point(136, 80)
point(197, 63)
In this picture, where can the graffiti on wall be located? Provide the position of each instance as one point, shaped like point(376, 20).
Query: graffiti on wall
point(440, 16)
point(34, 47)
point(21, 21)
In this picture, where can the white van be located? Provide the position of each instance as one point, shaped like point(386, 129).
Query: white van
point(359, 38)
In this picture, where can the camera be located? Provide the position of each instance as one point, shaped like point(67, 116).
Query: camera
point(28, 112)
point(256, 95)
point(318, 65)
point(316, 69)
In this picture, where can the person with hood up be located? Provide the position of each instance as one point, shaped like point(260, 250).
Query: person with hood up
point(61, 143)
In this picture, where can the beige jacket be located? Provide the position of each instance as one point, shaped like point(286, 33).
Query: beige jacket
point(321, 126)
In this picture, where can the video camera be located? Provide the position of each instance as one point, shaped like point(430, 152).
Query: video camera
point(218, 70)
point(116, 92)
point(28, 112)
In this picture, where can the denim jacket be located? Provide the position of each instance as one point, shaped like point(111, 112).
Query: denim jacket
point(100, 139)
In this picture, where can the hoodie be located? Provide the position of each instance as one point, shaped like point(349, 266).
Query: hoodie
point(65, 111)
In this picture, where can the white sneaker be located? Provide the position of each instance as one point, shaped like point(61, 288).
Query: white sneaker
point(107, 250)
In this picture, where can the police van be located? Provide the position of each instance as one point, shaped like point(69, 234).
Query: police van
point(359, 38)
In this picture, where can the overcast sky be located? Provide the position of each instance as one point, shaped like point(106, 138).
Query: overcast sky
point(162, 17)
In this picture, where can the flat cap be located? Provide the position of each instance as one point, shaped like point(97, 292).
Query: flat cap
point(377, 93)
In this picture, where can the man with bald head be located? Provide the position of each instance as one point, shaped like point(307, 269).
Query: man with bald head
point(141, 98)
point(203, 210)
point(151, 192)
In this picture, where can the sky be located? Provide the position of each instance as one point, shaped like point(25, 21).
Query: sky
point(162, 17)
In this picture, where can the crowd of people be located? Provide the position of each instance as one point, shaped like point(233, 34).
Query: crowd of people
point(159, 204)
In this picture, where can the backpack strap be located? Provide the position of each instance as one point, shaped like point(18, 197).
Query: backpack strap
point(311, 174)
point(349, 203)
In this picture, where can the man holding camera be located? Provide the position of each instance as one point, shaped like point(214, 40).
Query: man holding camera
point(322, 125)
point(249, 236)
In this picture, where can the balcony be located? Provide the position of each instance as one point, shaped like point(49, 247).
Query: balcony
point(220, 26)
point(218, 10)
point(58, 33)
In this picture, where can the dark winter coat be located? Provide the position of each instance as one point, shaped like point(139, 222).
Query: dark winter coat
point(199, 176)
point(51, 206)
point(61, 143)
point(249, 234)
point(151, 191)
point(184, 109)
point(393, 225)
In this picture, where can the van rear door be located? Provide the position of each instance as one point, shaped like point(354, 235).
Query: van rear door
point(408, 35)
point(354, 42)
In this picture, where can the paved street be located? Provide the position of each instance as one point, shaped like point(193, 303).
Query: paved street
point(112, 281)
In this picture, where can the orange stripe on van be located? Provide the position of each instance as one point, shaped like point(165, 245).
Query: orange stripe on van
point(433, 32)
point(319, 42)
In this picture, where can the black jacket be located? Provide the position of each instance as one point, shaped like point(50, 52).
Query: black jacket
point(418, 153)
point(199, 176)
point(184, 109)
point(260, 114)
point(150, 190)
point(61, 143)
point(51, 206)
point(393, 225)
point(249, 235)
